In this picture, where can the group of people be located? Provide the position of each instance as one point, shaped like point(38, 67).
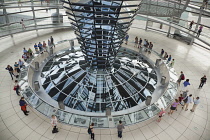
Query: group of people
point(42, 47)
point(200, 29)
point(138, 42)
point(167, 57)
point(146, 43)
point(15, 71)
point(120, 128)
point(27, 54)
point(184, 99)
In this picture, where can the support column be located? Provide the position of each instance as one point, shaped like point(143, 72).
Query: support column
point(7, 20)
point(196, 27)
point(34, 16)
point(169, 30)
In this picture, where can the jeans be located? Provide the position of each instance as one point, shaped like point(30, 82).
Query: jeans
point(120, 134)
point(11, 73)
point(17, 90)
point(92, 136)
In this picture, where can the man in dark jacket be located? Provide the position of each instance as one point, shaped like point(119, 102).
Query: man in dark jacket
point(23, 105)
point(10, 70)
point(203, 81)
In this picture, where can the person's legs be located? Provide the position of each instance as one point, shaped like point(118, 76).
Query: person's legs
point(186, 108)
point(11, 75)
point(92, 136)
point(17, 91)
point(120, 134)
point(183, 105)
point(25, 112)
point(201, 85)
point(179, 81)
point(193, 108)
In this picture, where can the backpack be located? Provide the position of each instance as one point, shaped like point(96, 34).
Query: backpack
point(183, 77)
point(89, 130)
point(185, 100)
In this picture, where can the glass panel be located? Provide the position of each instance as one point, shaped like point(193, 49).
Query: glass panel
point(80, 120)
point(152, 110)
point(138, 116)
point(100, 122)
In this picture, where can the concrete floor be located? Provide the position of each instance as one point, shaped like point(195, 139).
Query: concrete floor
point(182, 125)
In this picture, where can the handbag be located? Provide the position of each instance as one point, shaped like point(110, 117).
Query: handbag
point(15, 87)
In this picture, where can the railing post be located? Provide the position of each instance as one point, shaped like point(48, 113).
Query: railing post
point(169, 29)
point(34, 16)
point(196, 27)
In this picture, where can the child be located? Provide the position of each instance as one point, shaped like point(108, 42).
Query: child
point(161, 114)
point(181, 98)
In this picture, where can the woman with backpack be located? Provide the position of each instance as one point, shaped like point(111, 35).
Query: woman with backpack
point(181, 77)
point(91, 131)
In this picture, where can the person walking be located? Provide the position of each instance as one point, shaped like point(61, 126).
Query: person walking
point(205, 3)
point(16, 87)
point(92, 134)
point(23, 106)
point(36, 48)
point(185, 93)
point(162, 52)
point(203, 81)
point(19, 3)
point(16, 70)
point(150, 46)
point(22, 23)
point(173, 106)
point(172, 63)
point(145, 42)
point(136, 41)
point(181, 99)
point(195, 103)
point(21, 63)
point(16, 67)
point(10, 70)
point(187, 100)
point(48, 43)
point(191, 24)
point(165, 56)
point(25, 51)
point(120, 128)
point(169, 59)
point(126, 39)
point(24, 56)
point(199, 30)
point(52, 41)
point(30, 52)
point(40, 47)
point(181, 77)
point(44, 46)
point(161, 114)
point(140, 42)
point(54, 122)
point(185, 84)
